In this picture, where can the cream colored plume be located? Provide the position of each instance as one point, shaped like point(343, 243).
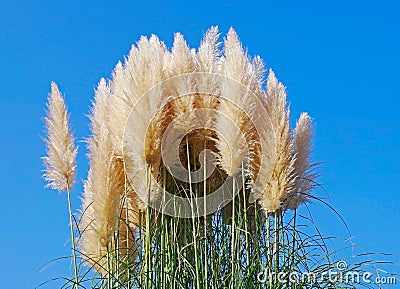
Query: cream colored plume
point(144, 129)
point(304, 168)
point(119, 106)
point(280, 183)
point(181, 62)
point(208, 54)
point(235, 100)
point(208, 64)
point(60, 162)
point(104, 188)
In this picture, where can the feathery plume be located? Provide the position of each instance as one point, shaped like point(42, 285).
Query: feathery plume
point(234, 148)
point(119, 106)
point(105, 186)
point(280, 183)
point(146, 69)
point(60, 162)
point(304, 168)
point(181, 61)
point(208, 54)
point(207, 62)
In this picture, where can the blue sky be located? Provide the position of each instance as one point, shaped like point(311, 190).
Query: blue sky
point(339, 60)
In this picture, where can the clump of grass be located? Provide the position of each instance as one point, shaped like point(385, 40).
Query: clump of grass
point(185, 103)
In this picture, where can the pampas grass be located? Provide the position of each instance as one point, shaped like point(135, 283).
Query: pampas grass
point(282, 180)
point(106, 194)
point(215, 99)
point(129, 117)
point(234, 147)
point(305, 169)
point(60, 162)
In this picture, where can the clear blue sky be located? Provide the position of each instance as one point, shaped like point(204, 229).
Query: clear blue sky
point(339, 59)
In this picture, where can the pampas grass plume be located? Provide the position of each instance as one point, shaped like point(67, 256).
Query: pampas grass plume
point(304, 168)
point(282, 180)
point(234, 149)
point(60, 162)
point(101, 208)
